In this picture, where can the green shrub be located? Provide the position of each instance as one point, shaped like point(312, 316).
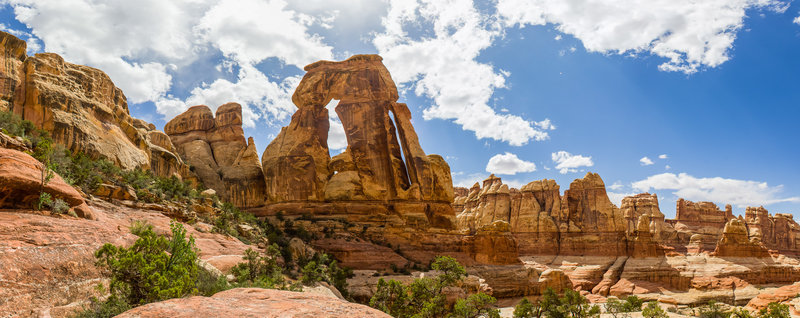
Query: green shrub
point(153, 269)
point(424, 297)
point(774, 310)
point(111, 307)
point(209, 284)
point(477, 305)
point(572, 304)
point(617, 308)
point(59, 206)
point(139, 227)
point(713, 310)
point(653, 310)
point(262, 271)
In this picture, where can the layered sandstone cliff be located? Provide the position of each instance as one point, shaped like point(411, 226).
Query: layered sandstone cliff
point(582, 222)
point(216, 149)
point(82, 109)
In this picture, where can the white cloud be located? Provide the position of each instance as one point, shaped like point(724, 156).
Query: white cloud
point(443, 66)
point(544, 124)
point(144, 46)
point(664, 156)
point(616, 197)
point(558, 37)
point(509, 163)
point(667, 167)
point(721, 190)
point(646, 161)
point(616, 186)
point(797, 20)
point(567, 162)
point(468, 180)
point(250, 31)
point(689, 34)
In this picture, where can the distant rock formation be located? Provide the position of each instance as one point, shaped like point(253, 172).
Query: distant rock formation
point(582, 222)
point(216, 149)
point(82, 109)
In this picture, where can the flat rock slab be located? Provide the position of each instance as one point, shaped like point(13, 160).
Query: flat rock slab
point(254, 302)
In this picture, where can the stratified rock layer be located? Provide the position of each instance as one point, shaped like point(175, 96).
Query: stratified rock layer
point(216, 149)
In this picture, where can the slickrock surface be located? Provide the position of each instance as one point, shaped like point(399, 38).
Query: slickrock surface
point(81, 108)
point(21, 179)
point(48, 262)
point(219, 154)
point(255, 302)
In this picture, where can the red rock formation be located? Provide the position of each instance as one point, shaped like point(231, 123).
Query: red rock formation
point(493, 244)
point(81, 108)
point(779, 232)
point(12, 72)
point(702, 213)
point(735, 242)
point(216, 148)
point(255, 302)
point(582, 222)
point(297, 166)
point(21, 181)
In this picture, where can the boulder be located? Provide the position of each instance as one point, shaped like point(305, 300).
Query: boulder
point(255, 302)
point(21, 181)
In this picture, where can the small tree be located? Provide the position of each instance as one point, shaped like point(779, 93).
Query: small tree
point(653, 310)
point(775, 310)
point(713, 310)
point(477, 305)
point(527, 309)
point(153, 269)
point(44, 152)
point(741, 313)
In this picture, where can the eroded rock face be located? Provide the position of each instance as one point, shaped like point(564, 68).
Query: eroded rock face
point(216, 148)
point(779, 232)
point(297, 165)
point(582, 222)
point(255, 302)
point(81, 108)
point(735, 242)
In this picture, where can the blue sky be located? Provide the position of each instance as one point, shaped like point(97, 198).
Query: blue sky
point(708, 92)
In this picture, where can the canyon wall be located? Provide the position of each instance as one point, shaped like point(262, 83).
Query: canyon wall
point(82, 109)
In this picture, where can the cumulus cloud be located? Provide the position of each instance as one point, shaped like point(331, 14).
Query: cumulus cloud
point(567, 162)
point(645, 161)
point(689, 34)
point(509, 163)
point(721, 190)
point(250, 31)
point(797, 20)
point(664, 156)
point(616, 197)
point(443, 66)
point(145, 45)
